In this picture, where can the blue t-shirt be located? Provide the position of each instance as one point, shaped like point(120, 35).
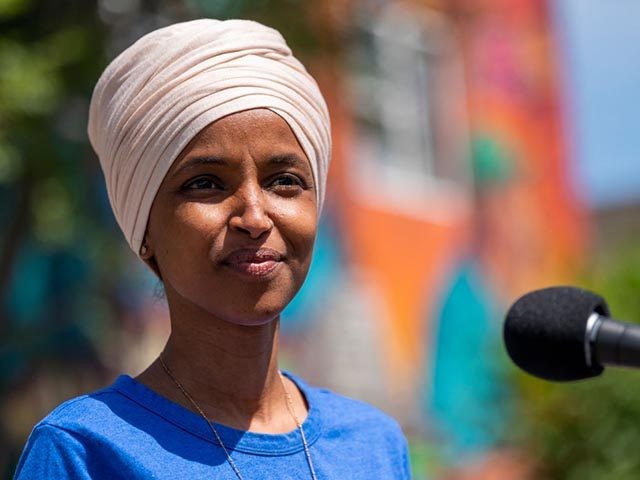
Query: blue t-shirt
point(127, 431)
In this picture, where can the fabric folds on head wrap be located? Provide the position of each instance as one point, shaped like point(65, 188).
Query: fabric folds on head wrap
point(162, 91)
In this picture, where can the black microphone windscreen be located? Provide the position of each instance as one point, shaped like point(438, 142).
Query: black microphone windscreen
point(544, 332)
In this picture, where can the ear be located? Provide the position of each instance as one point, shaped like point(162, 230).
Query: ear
point(147, 255)
point(145, 252)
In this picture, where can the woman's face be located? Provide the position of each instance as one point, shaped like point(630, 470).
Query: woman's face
point(232, 227)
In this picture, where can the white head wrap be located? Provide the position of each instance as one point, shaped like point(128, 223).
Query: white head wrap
point(163, 90)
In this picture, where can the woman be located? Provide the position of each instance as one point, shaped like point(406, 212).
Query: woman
point(214, 142)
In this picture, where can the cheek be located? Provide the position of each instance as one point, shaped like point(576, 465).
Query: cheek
point(185, 234)
point(299, 227)
point(200, 219)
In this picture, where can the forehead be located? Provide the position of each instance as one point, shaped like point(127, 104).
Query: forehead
point(259, 132)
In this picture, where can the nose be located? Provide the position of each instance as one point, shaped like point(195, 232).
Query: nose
point(250, 215)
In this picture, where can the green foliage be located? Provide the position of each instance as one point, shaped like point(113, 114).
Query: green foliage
point(590, 430)
point(11, 8)
point(44, 66)
point(292, 18)
point(425, 459)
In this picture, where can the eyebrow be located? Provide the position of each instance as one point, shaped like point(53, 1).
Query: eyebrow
point(197, 161)
point(288, 159)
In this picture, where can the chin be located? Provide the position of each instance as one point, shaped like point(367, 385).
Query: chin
point(254, 318)
point(247, 304)
point(253, 308)
point(260, 305)
point(246, 322)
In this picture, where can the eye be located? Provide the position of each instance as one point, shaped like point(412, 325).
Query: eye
point(287, 184)
point(202, 183)
point(287, 180)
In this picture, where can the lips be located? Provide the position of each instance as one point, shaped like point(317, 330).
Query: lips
point(253, 262)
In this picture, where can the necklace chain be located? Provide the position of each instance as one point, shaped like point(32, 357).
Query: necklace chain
point(217, 435)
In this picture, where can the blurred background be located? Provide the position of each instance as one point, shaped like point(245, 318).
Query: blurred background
point(482, 148)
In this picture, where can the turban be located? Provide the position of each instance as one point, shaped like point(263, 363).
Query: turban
point(158, 94)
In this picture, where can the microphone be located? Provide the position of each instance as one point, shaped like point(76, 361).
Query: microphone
point(565, 333)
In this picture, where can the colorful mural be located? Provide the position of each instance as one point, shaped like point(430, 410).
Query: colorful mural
point(450, 197)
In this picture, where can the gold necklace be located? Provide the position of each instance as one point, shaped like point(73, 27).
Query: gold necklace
point(217, 435)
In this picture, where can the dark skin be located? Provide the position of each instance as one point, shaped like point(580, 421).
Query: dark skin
point(231, 234)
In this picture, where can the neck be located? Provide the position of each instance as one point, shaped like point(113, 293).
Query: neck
point(230, 370)
point(224, 361)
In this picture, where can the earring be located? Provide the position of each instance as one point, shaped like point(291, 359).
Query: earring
point(144, 250)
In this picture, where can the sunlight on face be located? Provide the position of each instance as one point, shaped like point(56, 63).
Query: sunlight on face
point(232, 227)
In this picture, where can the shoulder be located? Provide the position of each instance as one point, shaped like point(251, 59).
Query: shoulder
point(355, 427)
point(49, 450)
point(114, 414)
point(349, 416)
point(79, 414)
point(57, 445)
point(350, 410)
